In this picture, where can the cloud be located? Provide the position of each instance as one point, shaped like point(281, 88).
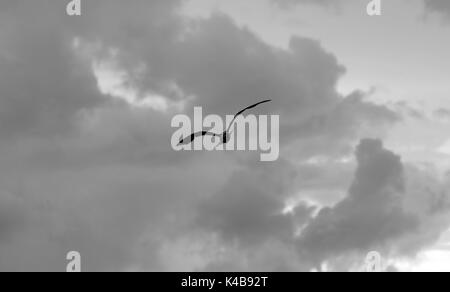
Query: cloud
point(41, 85)
point(429, 199)
point(395, 209)
point(391, 207)
point(439, 6)
point(12, 215)
point(442, 114)
point(370, 216)
point(249, 208)
point(93, 167)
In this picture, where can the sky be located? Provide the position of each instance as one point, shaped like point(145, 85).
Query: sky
point(86, 104)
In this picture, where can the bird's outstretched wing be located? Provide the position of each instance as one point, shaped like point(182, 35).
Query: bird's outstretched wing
point(244, 110)
point(189, 139)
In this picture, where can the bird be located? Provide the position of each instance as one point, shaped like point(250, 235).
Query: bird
point(225, 137)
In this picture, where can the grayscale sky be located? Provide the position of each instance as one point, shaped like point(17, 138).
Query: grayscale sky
point(86, 164)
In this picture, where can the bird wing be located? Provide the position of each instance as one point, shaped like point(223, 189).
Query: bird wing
point(246, 109)
point(189, 139)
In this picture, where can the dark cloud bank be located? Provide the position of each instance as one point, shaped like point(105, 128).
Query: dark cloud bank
point(440, 6)
point(83, 171)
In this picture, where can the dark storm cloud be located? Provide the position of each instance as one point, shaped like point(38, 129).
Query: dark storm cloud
point(246, 69)
point(370, 216)
point(249, 208)
point(246, 214)
point(340, 124)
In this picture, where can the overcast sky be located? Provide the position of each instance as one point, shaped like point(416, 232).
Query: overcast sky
point(86, 164)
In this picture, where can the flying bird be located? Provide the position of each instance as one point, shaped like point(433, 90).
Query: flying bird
point(225, 136)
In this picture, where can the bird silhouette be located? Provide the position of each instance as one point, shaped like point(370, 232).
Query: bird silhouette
point(225, 137)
